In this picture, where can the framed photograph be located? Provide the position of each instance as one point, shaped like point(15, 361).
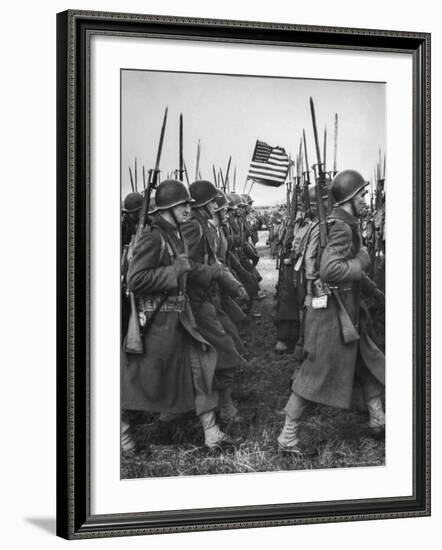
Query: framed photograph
point(243, 278)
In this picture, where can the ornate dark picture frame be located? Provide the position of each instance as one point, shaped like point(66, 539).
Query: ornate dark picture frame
point(74, 31)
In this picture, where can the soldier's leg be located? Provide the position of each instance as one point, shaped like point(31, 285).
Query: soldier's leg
point(294, 409)
point(227, 410)
point(205, 402)
point(373, 392)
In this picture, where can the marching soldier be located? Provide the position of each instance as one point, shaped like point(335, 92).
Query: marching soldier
point(241, 266)
point(205, 278)
point(176, 371)
point(335, 357)
point(304, 258)
point(225, 299)
point(274, 227)
point(131, 207)
point(287, 310)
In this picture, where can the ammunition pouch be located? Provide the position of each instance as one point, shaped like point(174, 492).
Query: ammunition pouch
point(149, 304)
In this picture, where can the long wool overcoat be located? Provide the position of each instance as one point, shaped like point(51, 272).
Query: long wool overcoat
point(201, 286)
point(176, 359)
point(328, 372)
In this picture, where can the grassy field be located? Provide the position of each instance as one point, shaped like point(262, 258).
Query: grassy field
point(334, 438)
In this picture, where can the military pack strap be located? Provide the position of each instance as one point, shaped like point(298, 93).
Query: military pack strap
point(301, 257)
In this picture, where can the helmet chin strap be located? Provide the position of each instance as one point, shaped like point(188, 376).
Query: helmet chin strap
point(208, 211)
point(172, 213)
point(353, 208)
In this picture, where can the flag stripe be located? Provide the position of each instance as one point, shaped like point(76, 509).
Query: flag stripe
point(265, 168)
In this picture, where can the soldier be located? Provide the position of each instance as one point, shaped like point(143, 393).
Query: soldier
point(252, 219)
point(226, 301)
point(247, 251)
point(287, 308)
point(275, 223)
point(331, 365)
point(305, 261)
point(131, 207)
point(205, 278)
point(176, 371)
point(235, 260)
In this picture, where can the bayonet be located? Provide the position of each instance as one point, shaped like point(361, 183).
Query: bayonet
point(197, 165)
point(181, 161)
point(306, 176)
point(325, 150)
point(319, 181)
point(131, 180)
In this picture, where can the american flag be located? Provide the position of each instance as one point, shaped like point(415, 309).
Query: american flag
point(269, 165)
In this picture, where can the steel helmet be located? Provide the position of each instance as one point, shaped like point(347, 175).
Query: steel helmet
point(171, 193)
point(132, 202)
point(245, 200)
point(248, 198)
point(312, 194)
point(202, 192)
point(237, 200)
point(230, 201)
point(221, 200)
point(346, 185)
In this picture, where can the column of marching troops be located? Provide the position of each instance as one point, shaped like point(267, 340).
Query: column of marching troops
point(193, 278)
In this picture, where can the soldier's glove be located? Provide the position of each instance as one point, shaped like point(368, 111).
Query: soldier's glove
point(242, 295)
point(181, 264)
point(308, 300)
point(363, 257)
point(379, 296)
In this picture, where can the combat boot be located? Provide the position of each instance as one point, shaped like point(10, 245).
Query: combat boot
point(227, 410)
point(213, 436)
point(376, 422)
point(281, 347)
point(288, 440)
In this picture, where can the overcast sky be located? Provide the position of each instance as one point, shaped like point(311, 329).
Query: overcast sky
point(229, 113)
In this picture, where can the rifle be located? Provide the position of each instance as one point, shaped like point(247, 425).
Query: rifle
point(325, 149)
point(227, 175)
point(134, 342)
point(181, 160)
point(306, 175)
point(335, 146)
point(222, 180)
point(186, 174)
point(197, 166)
point(131, 180)
point(319, 183)
point(348, 330)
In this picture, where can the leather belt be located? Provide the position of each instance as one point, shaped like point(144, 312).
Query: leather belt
point(172, 303)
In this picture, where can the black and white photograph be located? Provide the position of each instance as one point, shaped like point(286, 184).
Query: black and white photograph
point(253, 255)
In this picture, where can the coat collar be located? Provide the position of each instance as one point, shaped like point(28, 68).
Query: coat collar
point(163, 224)
point(200, 215)
point(341, 214)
